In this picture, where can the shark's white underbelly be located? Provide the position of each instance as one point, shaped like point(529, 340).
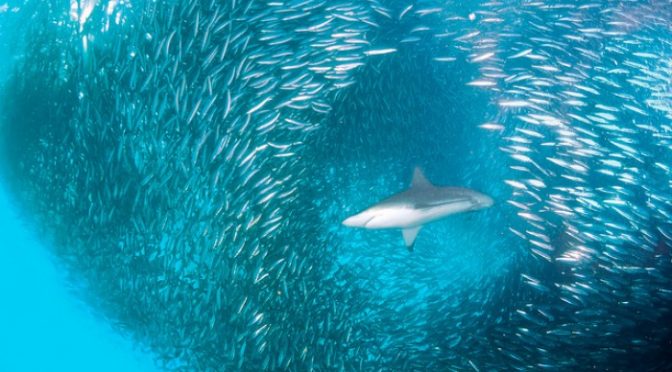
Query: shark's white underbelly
point(405, 217)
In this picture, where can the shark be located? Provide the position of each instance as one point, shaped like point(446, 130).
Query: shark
point(419, 205)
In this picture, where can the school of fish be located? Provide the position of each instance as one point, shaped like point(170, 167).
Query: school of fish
point(191, 161)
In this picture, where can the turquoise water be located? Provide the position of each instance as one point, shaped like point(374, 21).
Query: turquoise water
point(45, 327)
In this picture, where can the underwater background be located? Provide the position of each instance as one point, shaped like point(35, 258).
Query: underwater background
point(175, 174)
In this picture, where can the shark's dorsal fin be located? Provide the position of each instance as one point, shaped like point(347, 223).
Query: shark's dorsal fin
point(419, 179)
point(409, 236)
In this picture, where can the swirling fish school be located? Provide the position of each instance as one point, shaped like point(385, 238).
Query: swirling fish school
point(191, 162)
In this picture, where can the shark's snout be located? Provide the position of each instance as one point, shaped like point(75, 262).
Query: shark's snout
point(486, 201)
point(357, 220)
point(350, 221)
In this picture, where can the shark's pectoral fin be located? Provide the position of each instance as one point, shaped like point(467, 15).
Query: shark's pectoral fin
point(409, 236)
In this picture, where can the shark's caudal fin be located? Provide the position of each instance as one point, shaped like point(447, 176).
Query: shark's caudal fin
point(409, 236)
point(419, 179)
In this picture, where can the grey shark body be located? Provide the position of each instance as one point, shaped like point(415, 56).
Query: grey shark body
point(420, 204)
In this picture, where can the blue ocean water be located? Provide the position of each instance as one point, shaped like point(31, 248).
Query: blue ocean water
point(45, 326)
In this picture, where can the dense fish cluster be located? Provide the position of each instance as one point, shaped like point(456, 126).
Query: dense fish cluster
point(584, 114)
point(162, 143)
point(191, 162)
